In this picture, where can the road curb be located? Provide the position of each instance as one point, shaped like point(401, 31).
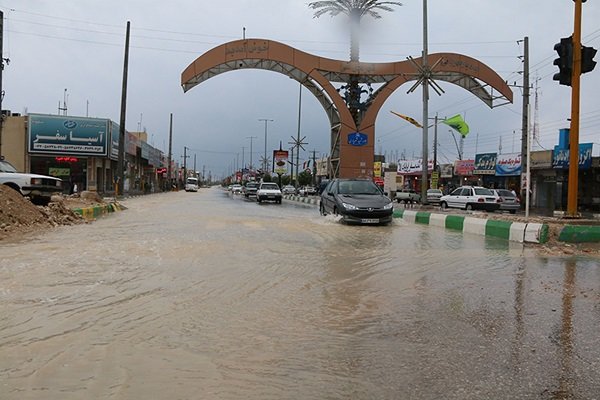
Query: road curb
point(97, 211)
point(580, 234)
point(512, 231)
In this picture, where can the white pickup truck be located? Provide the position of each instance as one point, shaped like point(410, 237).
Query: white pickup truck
point(407, 196)
point(39, 188)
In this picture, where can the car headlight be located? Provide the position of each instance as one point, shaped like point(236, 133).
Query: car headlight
point(388, 206)
point(349, 206)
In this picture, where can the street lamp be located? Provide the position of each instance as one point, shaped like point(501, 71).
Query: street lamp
point(266, 120)
point(251, 137)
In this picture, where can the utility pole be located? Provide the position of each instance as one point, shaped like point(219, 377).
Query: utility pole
point(194, 164)
point(243, 161)
point(121, 157)
point(170, 159)
point(314, 168)
point(525, 112)
point(574, 129)
point(1, 71)
point(251, 138)
point(266, 120)
point(185, 157)
point(427, 76)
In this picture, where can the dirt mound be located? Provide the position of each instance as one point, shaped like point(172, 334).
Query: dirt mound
point(18, 215)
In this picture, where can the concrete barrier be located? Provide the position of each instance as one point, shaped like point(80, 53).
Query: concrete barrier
point(99, 210)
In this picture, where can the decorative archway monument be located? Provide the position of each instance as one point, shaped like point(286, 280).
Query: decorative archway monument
point(352, 134)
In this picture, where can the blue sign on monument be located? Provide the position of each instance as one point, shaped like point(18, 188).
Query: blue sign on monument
point(357, 139)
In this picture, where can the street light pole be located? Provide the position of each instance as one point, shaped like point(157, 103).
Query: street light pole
point(266, 120)
point(251, 137)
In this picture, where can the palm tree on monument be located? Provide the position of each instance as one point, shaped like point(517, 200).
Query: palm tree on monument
point(355, 10)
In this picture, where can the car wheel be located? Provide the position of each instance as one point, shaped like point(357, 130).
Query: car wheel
point(513, 211)
point(398, 201)
point(335, 212)
point(444, 205)
point(469, 207)
point(322, 209)
point(258, 200)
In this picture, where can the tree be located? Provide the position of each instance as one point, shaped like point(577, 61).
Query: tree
point(355, 10)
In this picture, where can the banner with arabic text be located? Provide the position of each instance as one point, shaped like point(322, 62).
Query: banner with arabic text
point(508, 164)
point(61, 134)
point(409, 167)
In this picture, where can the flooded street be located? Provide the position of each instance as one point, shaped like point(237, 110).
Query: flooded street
point(209, 296)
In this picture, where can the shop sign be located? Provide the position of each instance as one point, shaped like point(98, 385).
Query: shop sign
point(464, 167)
point(52, 171)
point(560, 158)
point(377, 169)
point(541, 159)
point(446, 170)
point(485, 164)
point(115, 130)
point(508, 164)
point(408, 167)
point(51, 134)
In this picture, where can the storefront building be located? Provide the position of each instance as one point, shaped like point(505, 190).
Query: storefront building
point(82, 151)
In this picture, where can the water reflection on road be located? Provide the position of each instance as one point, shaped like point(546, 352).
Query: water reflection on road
point(207, 295)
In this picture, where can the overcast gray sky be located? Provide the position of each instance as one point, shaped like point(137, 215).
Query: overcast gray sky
point(79, 45)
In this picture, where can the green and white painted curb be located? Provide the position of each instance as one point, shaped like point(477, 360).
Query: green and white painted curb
point(97, 211)
point(302, 199)
point(580, 234)
point(513, 231)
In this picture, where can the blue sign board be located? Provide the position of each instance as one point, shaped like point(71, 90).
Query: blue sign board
point(485, 164)
point(560, 157)
point(57, 134)
point(115, 130)
point(357, 139)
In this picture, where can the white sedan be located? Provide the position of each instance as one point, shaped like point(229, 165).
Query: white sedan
point(268, 191)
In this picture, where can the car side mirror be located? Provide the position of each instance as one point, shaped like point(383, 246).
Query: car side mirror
point(329, 193)
point(385, 193)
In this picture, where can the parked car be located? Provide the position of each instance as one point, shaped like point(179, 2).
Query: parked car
point(288, 189)
point(307, 190)
point(357, 201)
point(268, 191)
point(434, 195)
point(407, 196)
point(471, 198)
point(39, 188)
point(236, 189)
point(250, 189)
point(509, 200)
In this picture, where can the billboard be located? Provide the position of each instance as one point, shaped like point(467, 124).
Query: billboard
point(508, 164)
point(59, 134)
point(114, 140)
point(485, 164)
point(280, 161)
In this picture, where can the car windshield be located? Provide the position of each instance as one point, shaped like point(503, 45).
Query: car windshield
point(483, 192)
point(505, 193)
point(269, 186)
point(5, 166)
point(358, 187)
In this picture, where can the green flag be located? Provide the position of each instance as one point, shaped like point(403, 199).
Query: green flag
point(457, 123)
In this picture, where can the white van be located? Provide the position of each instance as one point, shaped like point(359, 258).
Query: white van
point(191, 184)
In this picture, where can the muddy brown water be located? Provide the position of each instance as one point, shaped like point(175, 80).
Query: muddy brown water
point(209, 296)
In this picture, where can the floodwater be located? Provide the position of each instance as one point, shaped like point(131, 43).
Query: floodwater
point(209, 296)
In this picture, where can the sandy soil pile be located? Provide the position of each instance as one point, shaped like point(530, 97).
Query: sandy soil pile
point(19, 216)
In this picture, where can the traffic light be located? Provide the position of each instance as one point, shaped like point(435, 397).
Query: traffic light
point(587, 59)
point(565, 61)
